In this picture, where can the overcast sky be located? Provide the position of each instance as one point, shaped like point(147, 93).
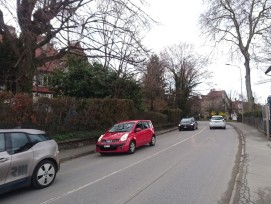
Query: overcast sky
point(179, 23)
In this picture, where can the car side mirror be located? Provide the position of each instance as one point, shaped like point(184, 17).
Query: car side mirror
point(137, 129)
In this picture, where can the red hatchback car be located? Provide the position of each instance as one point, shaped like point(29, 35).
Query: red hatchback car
point(126, 136)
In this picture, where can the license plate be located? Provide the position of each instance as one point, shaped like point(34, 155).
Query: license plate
point(106, 146)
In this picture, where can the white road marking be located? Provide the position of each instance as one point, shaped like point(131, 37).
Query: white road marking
point(115, 172)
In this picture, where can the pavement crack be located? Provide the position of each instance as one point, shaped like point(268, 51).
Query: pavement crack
point(244, 191)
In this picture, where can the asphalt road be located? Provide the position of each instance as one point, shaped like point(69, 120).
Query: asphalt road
point(184, 167)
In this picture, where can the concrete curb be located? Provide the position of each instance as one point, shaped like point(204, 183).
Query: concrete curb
point(241, 153)
point(76, 156)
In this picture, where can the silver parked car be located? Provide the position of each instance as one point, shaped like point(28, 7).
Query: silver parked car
point(27, 157)
point(217, 121)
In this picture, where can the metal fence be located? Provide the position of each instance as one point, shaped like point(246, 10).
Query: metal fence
point(260, 123)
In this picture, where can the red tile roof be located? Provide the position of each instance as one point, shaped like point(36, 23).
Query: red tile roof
point(41, 90)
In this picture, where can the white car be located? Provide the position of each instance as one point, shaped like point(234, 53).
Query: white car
point(27, 157)
point(217, 121)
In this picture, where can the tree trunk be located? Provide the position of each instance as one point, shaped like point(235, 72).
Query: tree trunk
point(250, 97)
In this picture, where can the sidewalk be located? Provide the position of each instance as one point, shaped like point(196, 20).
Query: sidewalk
point(253, 182)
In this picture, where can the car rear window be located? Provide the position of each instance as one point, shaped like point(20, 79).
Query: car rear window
point(19, 142)
point(36, 138)
point(150, 124)
point(217, 118)
point(145, 125)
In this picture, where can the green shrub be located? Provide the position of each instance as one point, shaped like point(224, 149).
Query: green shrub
point(155, 117)
point(256, 114)
point(174, 115)
point(77, 135)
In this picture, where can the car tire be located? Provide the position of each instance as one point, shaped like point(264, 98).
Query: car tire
point(132, 147)
point(153, 141)
point(44, 174)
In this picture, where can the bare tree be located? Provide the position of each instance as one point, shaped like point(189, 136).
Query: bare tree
point(153, 80)
point(186, 69)
point(241, 23)
point(232, 97)
point(106, 30)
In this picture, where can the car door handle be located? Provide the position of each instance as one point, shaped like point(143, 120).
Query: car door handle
point(3, 159)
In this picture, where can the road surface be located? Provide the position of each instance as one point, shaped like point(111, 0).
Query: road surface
point(184, 167)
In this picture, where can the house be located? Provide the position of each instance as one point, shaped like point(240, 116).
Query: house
point(215, 101)
point(41, 78)
point(237, 108)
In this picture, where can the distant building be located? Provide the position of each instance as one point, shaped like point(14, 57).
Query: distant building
point(215, 101)
point(42, 76)
point(237, 108)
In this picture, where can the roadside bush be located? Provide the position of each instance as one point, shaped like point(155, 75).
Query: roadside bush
point(155, 117)
point(255, 114)
point(67, 117)
point(174, 115)
point(16, 110)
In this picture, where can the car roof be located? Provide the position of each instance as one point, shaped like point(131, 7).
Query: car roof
point(217, 116)
point(188, 118)
point(135, 121)
point(29, 131)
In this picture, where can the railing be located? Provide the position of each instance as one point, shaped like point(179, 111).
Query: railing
point(255, 122)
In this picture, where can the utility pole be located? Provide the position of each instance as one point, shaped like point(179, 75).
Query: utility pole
point(242, 98)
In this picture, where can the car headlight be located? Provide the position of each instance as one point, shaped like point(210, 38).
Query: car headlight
point(100, 138)
point(124, 137)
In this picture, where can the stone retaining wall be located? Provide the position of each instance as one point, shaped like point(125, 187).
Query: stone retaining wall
point(76, 143)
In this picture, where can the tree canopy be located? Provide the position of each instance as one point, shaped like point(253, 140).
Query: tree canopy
point(109, 31)
point(186, 71)
point(242, 24)
point(84, 80)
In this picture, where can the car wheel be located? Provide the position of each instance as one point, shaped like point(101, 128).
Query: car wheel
point(180, 129)
point(132, 147)
point(153, 141)
point(44, 174)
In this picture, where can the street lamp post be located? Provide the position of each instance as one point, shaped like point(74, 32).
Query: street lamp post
point(241, 89)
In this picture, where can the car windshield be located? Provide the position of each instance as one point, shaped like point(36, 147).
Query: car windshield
point(122, 127)
point(185, 120)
